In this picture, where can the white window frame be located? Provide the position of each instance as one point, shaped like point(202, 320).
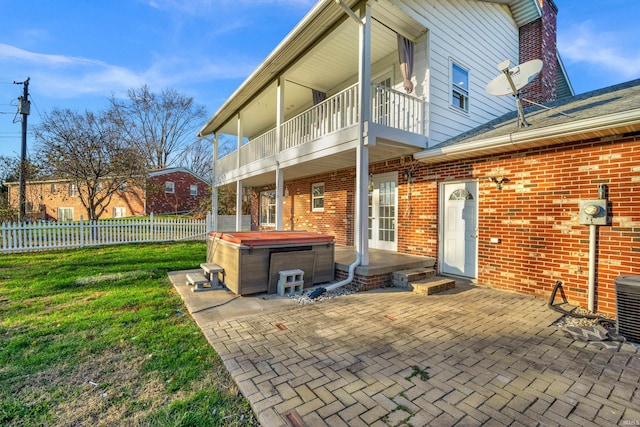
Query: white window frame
point(169, 187)
point(193, 189)
point(119, 212)
point(455, 88)
point(54, 188)
point(270, 211)
point(73, 190)
point(63, 214)
point(314, 198)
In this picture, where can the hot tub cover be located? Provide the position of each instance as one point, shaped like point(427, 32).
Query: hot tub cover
point(270, 238)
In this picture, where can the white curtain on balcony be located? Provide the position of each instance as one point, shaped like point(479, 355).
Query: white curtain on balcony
point(405, 57)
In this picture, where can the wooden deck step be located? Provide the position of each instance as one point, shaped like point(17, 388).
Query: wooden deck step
point(432, 285)
point(404, 278)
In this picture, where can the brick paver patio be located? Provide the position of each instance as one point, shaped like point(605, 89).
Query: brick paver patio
point(471, 356)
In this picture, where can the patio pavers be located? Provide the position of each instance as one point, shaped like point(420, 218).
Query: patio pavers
point(468, 356)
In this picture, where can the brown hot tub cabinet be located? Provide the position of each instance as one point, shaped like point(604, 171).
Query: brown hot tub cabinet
point(252, 260)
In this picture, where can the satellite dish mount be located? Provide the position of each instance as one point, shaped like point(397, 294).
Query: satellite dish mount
point(512, 80)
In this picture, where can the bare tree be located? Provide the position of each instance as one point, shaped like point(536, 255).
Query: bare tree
point(160, 126)
point(89, 151)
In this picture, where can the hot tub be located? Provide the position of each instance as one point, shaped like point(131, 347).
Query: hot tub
point(252, 260)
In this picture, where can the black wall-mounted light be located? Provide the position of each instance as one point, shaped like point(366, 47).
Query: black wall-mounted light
point(499, 180)
point(407, 175)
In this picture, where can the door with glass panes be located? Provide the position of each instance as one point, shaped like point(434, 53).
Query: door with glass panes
point(383, 211)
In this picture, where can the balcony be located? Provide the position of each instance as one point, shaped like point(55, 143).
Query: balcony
point(326, 131)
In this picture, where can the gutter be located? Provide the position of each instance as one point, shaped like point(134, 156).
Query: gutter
point(530, 138)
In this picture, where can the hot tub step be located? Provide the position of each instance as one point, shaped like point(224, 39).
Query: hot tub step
point(199, 282)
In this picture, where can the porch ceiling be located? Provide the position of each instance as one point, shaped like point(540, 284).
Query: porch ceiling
point(307, 59)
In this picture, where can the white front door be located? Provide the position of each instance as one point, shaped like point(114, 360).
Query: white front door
point(459, 225)
point(383, 211)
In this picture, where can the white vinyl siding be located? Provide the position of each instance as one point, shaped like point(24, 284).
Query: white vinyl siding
point(480, 35)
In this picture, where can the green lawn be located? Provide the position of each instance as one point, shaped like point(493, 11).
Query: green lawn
point(98, 336)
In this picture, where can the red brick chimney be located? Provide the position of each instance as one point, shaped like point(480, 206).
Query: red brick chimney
point(538, 41)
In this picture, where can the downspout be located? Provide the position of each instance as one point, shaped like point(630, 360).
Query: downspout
point(592, 267)
point(352, 268)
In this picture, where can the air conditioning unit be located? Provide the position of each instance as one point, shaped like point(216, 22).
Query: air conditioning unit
point(628, 307)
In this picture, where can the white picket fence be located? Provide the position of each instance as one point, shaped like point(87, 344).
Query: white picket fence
point(21, 237)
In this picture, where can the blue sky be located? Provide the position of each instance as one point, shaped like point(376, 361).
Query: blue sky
point(78, 53)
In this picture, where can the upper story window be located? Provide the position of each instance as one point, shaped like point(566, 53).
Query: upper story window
point(268, 207)
point(459, 87)
point(193, 189)
point(169, 187)
point(317, 197)
point(73, 190)
point(54, 188)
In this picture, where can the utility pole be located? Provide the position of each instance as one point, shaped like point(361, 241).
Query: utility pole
point(24, 108)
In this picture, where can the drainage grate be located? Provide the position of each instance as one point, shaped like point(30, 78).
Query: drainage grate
point(628, 307)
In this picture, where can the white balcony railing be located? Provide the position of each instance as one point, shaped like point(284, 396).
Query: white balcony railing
point(389, 107)
point(335, 113)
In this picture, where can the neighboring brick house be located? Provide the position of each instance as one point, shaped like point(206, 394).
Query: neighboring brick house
point(172, 190)
point(419, 173)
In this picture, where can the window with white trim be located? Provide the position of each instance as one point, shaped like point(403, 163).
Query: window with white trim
point(73, 190)
point(169, 187)
point(317, 197)
point(193, 189)
point(65, 214)
point(459, 87)
point(268, 207)
point(119, 212)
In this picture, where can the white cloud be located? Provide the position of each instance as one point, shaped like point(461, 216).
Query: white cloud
point(604, 50)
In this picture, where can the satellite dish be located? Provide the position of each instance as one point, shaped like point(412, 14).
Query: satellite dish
point(521, 76)
point(512, 80)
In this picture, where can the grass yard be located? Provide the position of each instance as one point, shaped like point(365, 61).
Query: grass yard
point(98, 336)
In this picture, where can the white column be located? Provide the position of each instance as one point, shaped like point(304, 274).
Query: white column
point(214, 184)
point(238, 205)
point(239, 142)
point(361, 237)
point(279, 193)
point(279, 114)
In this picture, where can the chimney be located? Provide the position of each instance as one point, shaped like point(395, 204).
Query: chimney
point(538, 41)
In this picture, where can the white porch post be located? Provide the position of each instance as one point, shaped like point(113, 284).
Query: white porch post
point(279, 114)
point(239, 183)
point(214, 184)
point(238, 205)
point(279, 193)
point(279, 172)
point(361, 235)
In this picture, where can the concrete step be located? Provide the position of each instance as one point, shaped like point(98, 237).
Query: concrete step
point(200, 282)
point(432, 285)
point(403, 278)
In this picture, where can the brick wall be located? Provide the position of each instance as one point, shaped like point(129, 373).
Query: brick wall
point(46, 200)
point(180, 200)
point(535, 215)
point(538, 41)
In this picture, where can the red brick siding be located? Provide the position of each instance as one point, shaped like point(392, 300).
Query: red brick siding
point(538, 41)
point(535, 215)
point(181, 200)
point(46, 203)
